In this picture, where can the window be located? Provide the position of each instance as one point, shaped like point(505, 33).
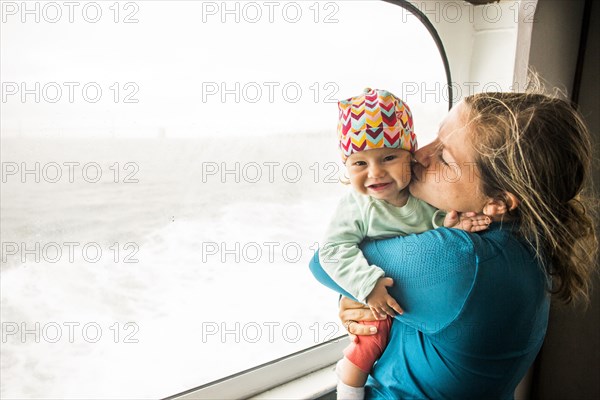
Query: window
point(168, 169)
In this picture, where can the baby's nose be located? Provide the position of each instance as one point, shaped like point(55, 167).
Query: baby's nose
point(375, 171)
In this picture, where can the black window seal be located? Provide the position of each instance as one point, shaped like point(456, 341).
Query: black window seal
point(436, 38)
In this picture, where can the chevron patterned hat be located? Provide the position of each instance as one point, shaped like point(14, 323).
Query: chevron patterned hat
point(376, 119)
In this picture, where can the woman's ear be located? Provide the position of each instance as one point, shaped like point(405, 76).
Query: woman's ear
point(501, 205)
point(511, 201)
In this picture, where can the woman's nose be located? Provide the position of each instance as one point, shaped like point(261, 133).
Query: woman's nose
point(423, 155)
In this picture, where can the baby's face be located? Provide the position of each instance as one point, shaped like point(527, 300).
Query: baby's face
point(380, 173)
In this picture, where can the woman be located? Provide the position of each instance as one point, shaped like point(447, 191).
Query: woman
point(476, 305)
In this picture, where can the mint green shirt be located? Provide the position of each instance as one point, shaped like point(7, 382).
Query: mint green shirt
point(358, 217)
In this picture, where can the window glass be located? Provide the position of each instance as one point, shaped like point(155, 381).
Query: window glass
point(168, 169)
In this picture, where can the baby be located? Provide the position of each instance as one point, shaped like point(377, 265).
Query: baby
point(377, 142)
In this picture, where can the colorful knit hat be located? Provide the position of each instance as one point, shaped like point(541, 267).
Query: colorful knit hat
point(376, 119)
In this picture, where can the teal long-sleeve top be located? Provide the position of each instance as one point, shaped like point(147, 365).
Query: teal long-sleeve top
point(475, 313)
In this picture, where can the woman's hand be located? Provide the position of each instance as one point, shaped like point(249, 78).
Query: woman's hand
point(351, 312)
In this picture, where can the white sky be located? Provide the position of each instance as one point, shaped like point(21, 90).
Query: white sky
point(179, 47)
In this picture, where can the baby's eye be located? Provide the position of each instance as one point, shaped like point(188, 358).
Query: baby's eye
point(390, 158)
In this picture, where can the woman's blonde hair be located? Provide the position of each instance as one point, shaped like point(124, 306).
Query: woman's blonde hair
point(538, 148)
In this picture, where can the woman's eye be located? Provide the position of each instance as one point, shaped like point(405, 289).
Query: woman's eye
point(441, 158)
point(360, 163)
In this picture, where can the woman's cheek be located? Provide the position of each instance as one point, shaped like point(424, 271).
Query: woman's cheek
point(452, 173)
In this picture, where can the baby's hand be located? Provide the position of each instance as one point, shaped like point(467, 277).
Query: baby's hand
point(469, 221)
point(380, 302)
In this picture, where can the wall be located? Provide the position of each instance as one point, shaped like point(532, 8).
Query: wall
point(555, 40)
point(480, 42)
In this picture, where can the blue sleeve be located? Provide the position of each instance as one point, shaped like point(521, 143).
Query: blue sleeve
point(433, 274)
point(322, 276)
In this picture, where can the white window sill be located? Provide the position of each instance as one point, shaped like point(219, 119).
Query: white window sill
point(311, 386)
point(303, 375)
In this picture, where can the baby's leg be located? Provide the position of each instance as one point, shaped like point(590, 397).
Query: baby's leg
point(350, 374)
point(351, 381)
point(353, 370)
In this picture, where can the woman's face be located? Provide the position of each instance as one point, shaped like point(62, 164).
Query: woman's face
point(445, 173)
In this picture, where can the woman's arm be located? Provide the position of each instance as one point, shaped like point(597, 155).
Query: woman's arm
point(433, 273)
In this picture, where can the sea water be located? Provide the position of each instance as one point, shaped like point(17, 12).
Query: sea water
point(193, 283)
